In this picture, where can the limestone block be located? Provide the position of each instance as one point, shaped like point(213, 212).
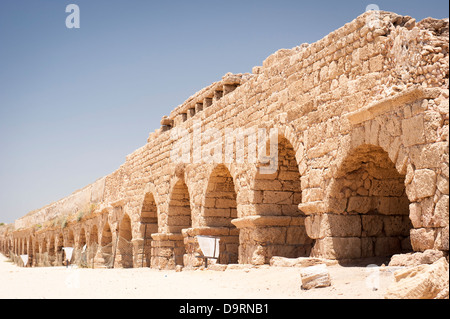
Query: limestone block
point(424, 183)
point(376, 63)
point(422, 239)
point(441, 242)
point(312, 194)
point(359, 204)
point(415, 215)
point(372, 225)
point(337, 248)
point(441, 213)
point(415, 259)
point(421, 282)
point(443, 184)
point(320, 226)
point(275, 197)
point(413, 131)
point(386, 246)
point(277, 261)
point(396, 225)
point(337, 205)
point(428, 156)
point(315, 277)
point(313, 226)
point(297, 235)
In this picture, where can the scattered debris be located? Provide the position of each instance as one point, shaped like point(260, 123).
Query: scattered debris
point(421, 282)
point(315, 277)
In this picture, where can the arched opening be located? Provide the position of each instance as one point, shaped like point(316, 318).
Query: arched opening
point(124, 258)
point(81, 259)
point(369, 195)
point(179, 218)
point(29, 251)
point(82, 239)
point(106, 249)
point(33, 251)
point(277, 195)
point(51, 251)
point(219, 209)
point(59, 249)
point(93, 236)
point(92, 247)
point(44, 254)
point(149, 226)
point(70, 242)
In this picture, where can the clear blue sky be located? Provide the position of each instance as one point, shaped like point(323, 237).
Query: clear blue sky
point(75, 102)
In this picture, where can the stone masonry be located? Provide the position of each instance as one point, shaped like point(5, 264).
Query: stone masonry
point(360, 119)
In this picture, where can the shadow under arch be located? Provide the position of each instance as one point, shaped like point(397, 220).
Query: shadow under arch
point(367, 210)
point(124, 256)
point(278, 227)
point(179, 218)
point(148, 226)
point(219, 209)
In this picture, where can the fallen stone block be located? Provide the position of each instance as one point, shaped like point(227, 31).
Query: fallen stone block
point(421, 282)
point(416, 259)
point(300, 262)
point(315, 277)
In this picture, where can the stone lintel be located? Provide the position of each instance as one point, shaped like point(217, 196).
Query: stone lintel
point(167, 236)
point(390, 103)
point(265, 221)
point(206, 231)
point(309, 208)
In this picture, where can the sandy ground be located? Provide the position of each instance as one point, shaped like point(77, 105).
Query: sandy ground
point(244, 283)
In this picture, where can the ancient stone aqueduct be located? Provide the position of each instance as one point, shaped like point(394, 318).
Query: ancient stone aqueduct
point(361, 121)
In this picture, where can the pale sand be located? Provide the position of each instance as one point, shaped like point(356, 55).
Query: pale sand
point(245, 283)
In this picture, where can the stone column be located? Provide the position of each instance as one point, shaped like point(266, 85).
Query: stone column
point(167, 250)
point(263, 237)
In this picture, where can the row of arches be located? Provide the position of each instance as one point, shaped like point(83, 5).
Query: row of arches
point(367, 217)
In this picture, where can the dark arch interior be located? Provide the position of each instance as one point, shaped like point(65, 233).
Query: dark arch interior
point(371, 192)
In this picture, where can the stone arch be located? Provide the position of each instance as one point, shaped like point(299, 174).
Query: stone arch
point(92, 246)
point(279, 193)
point(24, 246)
point(28, 248)
point(93, 235)
point(124, 255)
point(179, 218)
point(219, 204)
point(277, 227)
point(59, 242)
point(148, 226)
point(43, 260)
point(70, 239)
point(80, 249)
point(51, 250)
point(219, 208)
point(367, 212)
point(106, 246)
point(82, 238)
point(179, 214)
point(33, 251)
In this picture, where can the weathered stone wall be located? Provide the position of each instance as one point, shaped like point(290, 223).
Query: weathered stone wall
point(361, 120)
